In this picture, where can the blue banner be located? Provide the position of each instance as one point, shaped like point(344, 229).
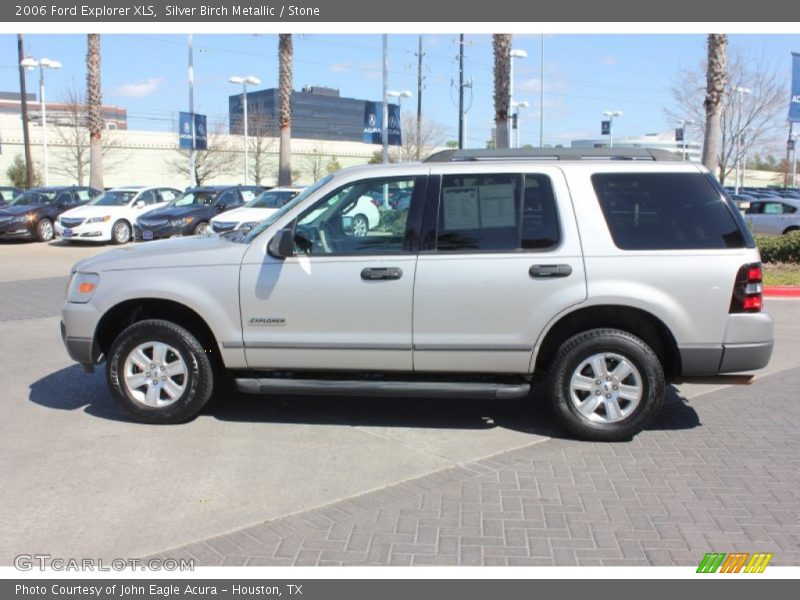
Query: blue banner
point(605, 127)
point(185, 140)
point(200, 133)
point(794, 100)
point(373, 117)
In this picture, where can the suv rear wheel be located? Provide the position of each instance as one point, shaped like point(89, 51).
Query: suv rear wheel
point(605, 385)
point(159, 372)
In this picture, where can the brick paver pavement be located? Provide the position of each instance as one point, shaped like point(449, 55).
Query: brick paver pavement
point(721, 473)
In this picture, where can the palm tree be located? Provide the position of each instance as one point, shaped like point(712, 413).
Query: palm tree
point(716, 79)
point(94, 101)
point(501, 42)
point(285, 55)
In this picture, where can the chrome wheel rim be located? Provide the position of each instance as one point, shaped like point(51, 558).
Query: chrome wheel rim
point(46, 230)
point(606, 388)
point(202, 229)
point(122, 233)
point(360, 226)
point(155, 374)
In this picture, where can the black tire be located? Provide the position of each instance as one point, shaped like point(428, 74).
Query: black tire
point(791, 230)
point(581, 347)
point(45, 232)
point(199, 382)
point(201, 228)
point(119, 224)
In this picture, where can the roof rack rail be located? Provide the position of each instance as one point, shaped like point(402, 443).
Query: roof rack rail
point(552, 154)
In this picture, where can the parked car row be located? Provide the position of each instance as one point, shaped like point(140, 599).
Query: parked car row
point(145, 213)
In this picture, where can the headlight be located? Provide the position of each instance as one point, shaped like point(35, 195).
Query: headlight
point(180, 222)
point(248, 225)
point(102, 219)
point(81, 287)
point(23, 219)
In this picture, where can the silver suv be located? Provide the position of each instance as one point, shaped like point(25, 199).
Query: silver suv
point(597, 275)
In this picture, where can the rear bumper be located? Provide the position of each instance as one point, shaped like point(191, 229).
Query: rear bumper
point(747, 346)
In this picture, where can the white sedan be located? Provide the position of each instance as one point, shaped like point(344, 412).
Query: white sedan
point(110, 216)
point(255, 211)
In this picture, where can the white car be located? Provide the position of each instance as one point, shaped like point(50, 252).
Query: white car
point(110, 216)
point(255, 211)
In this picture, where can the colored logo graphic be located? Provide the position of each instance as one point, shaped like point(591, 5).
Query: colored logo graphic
point(737, 562)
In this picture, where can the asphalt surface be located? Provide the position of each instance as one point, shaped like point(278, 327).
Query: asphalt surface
point(79, 479)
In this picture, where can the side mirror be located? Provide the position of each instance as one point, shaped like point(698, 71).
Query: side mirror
point(219, 207)
point(139, 204)
point(347, 225)
point(282, 244)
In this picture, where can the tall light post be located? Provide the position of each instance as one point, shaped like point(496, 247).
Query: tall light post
point(244, 81)
point(684, 123)
point(744, 153)
point(541, 96)
point(515, 53)
point(385, 132)
point(30, 63)
point(611, 114)
point(517, 106)
point(742, 91)
point(385, 106)
point(794, 159)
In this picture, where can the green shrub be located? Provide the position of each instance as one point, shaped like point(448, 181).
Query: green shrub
point(779, 248)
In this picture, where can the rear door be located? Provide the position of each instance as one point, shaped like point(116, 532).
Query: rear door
point(500, 258)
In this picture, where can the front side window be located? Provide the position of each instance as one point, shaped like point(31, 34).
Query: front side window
point(355, 219)
point(496, 213)
point(195, 198)
point(113, 198)
point(666, 211)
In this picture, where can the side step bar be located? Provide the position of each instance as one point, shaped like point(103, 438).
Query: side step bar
point(392, 389)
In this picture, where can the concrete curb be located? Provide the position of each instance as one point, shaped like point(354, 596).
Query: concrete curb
point(782, 291)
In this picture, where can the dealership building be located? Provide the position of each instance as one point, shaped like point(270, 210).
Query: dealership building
point(655, 141)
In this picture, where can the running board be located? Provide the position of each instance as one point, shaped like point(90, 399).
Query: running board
point(392, 389)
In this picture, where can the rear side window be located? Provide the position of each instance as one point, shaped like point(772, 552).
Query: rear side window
point(665, 211)
point(496, 213)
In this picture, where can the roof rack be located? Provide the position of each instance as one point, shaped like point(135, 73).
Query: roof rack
point(552, 154)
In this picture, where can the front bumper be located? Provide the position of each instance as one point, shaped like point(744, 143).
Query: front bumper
point(160, 233)
point(91, 232)
point(18, 231)
point(78, 325)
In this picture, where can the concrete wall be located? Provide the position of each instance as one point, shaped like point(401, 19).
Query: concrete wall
point(145, 157)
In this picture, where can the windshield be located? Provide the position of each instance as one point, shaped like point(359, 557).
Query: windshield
point(286, 208)
point(271, 199)
point(113, 198)
point(31, 197)
point(195, 198)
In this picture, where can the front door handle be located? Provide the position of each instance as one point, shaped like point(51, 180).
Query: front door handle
point(376, 273)
point(546, 271)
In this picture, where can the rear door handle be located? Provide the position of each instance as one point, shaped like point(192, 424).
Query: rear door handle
point(545, 271)
point(376, 273)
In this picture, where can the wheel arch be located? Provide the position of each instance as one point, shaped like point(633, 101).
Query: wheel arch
point(128, 312)
point(644, 325)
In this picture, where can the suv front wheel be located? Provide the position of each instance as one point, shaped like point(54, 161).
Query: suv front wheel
point(159, 372)
point(605, 385)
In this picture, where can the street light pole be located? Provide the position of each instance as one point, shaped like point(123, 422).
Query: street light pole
point(611, 114)
point(192, 155)
point(684, 123)
point(794, 159)
point(518, 105)
point(513, 54)
point(741, 91)
point(43, 63)
point(244, 81)
point(541, 98)
point(385, 118)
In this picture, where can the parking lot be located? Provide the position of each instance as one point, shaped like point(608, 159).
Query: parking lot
point(320, 481)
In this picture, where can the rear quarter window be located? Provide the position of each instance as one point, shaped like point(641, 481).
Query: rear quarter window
point(666, 211)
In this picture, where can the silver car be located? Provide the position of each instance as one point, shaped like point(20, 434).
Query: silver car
point(773, 216)
point(596, 279)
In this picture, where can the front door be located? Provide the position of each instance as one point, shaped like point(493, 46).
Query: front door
point(501, 257)
point(344, 300)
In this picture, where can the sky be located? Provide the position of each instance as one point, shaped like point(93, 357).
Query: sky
point(584, 75)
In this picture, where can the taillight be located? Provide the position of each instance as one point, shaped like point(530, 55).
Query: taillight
point(748, 289)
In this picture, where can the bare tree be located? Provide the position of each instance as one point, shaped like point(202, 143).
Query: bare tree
point(260, 146)
point(285, 58)
point(94, 98)
point(419, 139)
point(315, 163)
point(220, 158)
point(501, 43)
point(754, 118)
point(72, 133)
point(716, 78)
